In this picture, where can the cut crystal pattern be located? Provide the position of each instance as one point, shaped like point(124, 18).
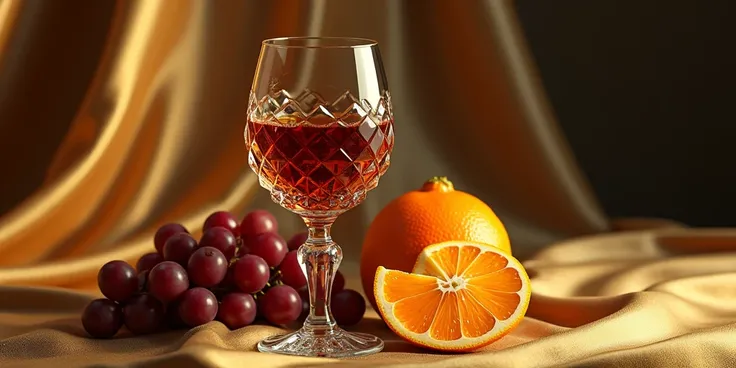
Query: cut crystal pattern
point(335, 344)
point(315, 156)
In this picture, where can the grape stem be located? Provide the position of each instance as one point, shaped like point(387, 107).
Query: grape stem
point(319, 258)
point(258, 294)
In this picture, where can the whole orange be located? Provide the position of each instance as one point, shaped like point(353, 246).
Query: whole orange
point(433, 214)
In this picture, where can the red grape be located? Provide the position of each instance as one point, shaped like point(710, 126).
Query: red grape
point(347, 307)
point(269, 246)
point(291, 271)
point(258, 222)
point(220, 238)
point(117, 280)
point(304, 295)
point(147, 261)
point(143, 314)
point(339, 283)
point(167, 281)
point(198, 306)
point(207, 267)
point(297, 240)
point(237, 310)
point(143, 281)
point(164, 233)
point(251, 273)
point(102, 318)
point(222, 219)
point(179, 248)
point(281, 305)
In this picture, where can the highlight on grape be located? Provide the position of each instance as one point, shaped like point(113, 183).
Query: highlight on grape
point(237, 273)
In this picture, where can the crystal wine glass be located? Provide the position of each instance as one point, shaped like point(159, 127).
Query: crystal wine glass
point(319, 134)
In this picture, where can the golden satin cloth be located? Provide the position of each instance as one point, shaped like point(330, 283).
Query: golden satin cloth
point(118, 116)
point(660, 298)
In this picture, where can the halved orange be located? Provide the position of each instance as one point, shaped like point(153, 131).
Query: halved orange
point(460, 296)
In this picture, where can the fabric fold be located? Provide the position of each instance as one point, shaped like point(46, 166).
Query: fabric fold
point(663, 310)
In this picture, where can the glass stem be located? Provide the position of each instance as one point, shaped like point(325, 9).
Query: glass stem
point(319, 258)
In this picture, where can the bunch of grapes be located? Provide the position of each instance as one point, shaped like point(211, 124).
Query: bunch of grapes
point(237, 273)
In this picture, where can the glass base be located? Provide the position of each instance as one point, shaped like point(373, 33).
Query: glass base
point(335, 343)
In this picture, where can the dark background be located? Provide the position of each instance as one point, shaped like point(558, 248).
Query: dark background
point(644, 91)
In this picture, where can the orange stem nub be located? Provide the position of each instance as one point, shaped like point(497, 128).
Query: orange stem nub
point(439, 184)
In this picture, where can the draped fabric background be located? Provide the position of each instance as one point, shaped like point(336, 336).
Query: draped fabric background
point(118, 116)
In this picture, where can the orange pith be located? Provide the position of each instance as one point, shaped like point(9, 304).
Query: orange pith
point(460, 296)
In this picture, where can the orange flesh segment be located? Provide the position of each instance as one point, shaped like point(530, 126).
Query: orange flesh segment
point(507, 280)
point(474, 318)
point(445, 260)
point(416, 313)
point(501, 304)
point(446, 325)
point(485, 263)
point(400, 285)
point(466, 258)
point(432, 269)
